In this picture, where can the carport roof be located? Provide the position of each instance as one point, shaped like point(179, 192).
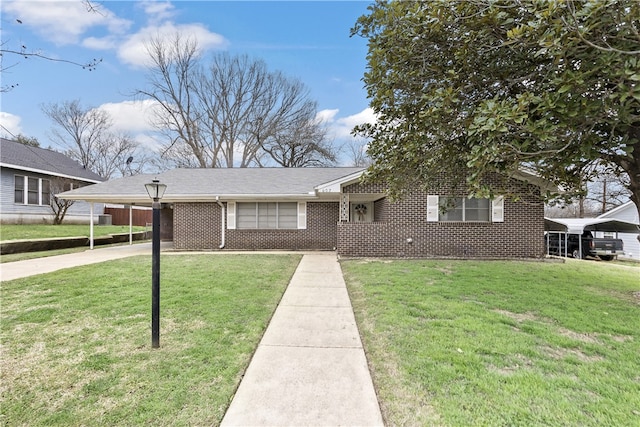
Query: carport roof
point(579, 225)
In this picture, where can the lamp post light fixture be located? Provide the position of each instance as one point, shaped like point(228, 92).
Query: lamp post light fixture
point(156, 191)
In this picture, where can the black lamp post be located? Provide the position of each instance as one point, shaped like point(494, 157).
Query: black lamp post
point(156, 191)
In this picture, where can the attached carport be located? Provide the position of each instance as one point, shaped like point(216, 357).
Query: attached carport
point(567, 226)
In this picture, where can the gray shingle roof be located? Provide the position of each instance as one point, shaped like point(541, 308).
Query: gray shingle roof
point(207, 184)
point(26, 157)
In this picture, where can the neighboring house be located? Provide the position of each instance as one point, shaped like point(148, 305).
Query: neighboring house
point(629, 213)
point(29, 176)
point(329, 209)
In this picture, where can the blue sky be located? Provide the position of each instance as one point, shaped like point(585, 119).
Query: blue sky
point(303, 39)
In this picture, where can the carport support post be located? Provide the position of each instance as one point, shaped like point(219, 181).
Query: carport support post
point(91, 225)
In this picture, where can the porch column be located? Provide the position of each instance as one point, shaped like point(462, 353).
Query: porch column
point(91, 225)
point(344, 207)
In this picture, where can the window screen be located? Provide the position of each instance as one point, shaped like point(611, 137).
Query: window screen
point(464, 209)
point(19, 189)
point(267, 215)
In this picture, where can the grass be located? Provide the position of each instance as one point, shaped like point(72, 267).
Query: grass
point(456, 343)
point(43, 231)
point(76, 344)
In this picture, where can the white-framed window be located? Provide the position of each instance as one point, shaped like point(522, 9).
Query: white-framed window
point(267, 215)
point(464, 209)
point(29, 190)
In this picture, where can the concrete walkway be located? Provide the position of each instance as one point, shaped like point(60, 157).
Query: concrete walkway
point(310, 368)
point(30, 267)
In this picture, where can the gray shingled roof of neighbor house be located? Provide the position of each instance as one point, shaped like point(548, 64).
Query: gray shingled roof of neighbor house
point(41, 160)
point(197, 185)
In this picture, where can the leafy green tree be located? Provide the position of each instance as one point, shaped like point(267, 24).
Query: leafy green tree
point(467, 88)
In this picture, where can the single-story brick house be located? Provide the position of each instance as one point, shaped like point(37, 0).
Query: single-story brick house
point(330, 209)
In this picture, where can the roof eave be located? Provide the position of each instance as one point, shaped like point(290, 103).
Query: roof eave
point(182, 198)
point(335, 186)
point(45, 172)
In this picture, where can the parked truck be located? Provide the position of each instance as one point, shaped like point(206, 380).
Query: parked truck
point(604, 248)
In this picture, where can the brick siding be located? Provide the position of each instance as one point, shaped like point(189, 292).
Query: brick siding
point(197, 226)
point(401, 229)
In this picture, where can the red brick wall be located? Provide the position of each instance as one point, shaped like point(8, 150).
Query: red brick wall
point(403, 231)
point(197, 226)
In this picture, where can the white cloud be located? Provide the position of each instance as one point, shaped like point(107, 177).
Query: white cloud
point(341, 127)
point(327, 116)
point(10, 125)
point(147, 142)
point(103, 43)
point(157, 11)
point(130, 116)
point(63, 22)
point(133, 50)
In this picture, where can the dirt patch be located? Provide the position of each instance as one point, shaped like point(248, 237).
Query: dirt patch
point(582, 337)
point(621, 338)
point(518, 317)
point(562, 353)
point(445, 270)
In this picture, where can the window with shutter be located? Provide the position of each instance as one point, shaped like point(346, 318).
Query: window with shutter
point(497, 209)
point(231, 215)
point(302, 215)
point(433, 208)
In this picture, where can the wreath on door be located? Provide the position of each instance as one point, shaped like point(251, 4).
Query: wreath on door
point(361, 210)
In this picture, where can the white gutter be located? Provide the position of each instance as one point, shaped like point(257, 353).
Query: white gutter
point(222, 218)
point(143, 200)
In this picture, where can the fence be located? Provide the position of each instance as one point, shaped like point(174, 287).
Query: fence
point(120, 216)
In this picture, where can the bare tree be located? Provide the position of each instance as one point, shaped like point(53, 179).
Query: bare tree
point(608, 190)
point(87, 135)
point(133, 162)
point(605, 187)
point(356, 152)
point(79, 129)
point(112, 153)
point(59, 206)
point(302, 144)
point(231, 113)
point(21, 52)
point(172, 69)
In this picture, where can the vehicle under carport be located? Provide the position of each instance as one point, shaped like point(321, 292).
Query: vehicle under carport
point(563, 230)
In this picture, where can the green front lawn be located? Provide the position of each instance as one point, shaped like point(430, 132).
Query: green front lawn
point(76, 344)
point(44, 231)
point(464, 343)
